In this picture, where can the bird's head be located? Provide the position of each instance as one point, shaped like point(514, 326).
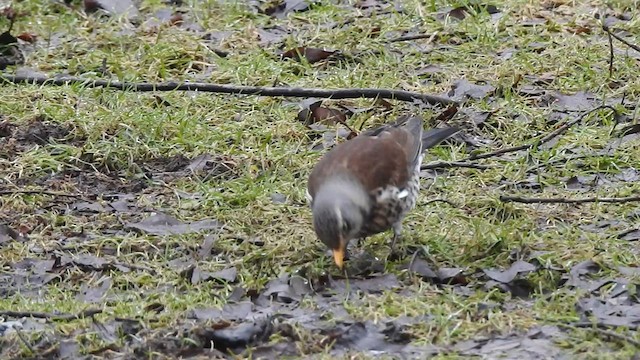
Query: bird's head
point(339, 210)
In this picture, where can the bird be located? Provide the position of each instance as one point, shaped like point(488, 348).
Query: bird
point(367, 185)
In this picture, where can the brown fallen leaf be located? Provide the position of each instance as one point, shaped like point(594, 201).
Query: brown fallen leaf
point(322, 114)
point(448, 113)
point(281, 8)
point(25, 36)
point(176, 19)
point(312, 55)
point(312, 112)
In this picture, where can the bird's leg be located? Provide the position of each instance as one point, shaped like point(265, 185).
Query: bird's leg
point(397, 230)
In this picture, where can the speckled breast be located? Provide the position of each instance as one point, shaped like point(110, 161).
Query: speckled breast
point(389, 207)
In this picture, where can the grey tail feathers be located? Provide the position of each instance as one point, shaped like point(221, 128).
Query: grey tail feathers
point(414, 125)
point(433, 137)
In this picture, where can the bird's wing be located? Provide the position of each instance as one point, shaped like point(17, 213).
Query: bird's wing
point(386, 155)
point(375, 161)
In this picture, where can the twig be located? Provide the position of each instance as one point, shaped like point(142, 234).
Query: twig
point(543, 140)
point(413, 37)
point(451, 203)
point(622, 40)
point(548, 163)
point(586, 324)
point(49, 316)
point(599, 329)
point(610, 52)
point(234, 89)
point(24, 339)
point(454, 164)
point(524, 200)
point(627, 232)
point(499, 152)
point(38, 192)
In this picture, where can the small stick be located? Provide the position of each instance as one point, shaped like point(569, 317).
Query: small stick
point(49, 316)
point(38, 192)
point(524, 200)
point(610, 53)
point(543, 140)
point(234, 89)
point(24, 339)
point(622, 40)
point(602, 331)
point(454, 164)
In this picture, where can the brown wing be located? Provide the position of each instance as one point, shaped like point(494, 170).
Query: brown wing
point(379, 160)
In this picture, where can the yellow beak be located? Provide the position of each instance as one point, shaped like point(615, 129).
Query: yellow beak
point(338, 257)
point(338, 254)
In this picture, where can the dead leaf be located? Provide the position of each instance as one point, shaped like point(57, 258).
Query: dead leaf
point(69, 349)
point(329, 136)
point(207, 246)
point(311, 55)
point(580, 101)
point(88, 207)
point(507, 276)
point(462, 12)
point(271, 35)
point(429, 70)
point(281, 8)
point(361, 336)
point(630, 235)
point(629, 130)
point(448, 113)
point(7, 234)
point(451, 276)
point(327, 116)
point(162, 224)
point(228, 275)
point(236, 338)
point(28, 37)
point(463, 88)
point(229, 312)
point(112, 7)
point(421, 267)
point(375, 284)
point(577, 274)
point(91, 294)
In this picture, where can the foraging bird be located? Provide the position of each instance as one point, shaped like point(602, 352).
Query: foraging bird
point(367, 185)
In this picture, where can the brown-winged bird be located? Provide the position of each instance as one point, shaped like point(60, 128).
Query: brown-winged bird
point(367, 185)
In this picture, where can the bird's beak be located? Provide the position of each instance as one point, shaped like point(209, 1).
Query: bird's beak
point(338, 254)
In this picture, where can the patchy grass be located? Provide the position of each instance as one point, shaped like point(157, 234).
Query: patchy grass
point(98, 143)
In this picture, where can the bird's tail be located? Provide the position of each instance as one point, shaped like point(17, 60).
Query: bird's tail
point(433, 137)
point(412, 124)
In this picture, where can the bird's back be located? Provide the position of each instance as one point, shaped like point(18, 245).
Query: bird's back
point(378, 158)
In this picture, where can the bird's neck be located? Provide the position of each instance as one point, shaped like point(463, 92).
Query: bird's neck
point(344, 188)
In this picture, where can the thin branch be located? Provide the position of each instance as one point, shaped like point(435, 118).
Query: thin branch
point(451, 203)
point(524, 200)
point(24, 339)
point(552, 135)
point(627, 232)
point(499, 152)
point(49, 316)
point(610, 53)
point(413, 37)
point(454, 164)
point(234, 89)
point(38, 192)
point(599, 329)
point(586, 324)
point(622, 40)
point(561, 160)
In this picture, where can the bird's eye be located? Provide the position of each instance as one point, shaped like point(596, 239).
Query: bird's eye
point(345, 227)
